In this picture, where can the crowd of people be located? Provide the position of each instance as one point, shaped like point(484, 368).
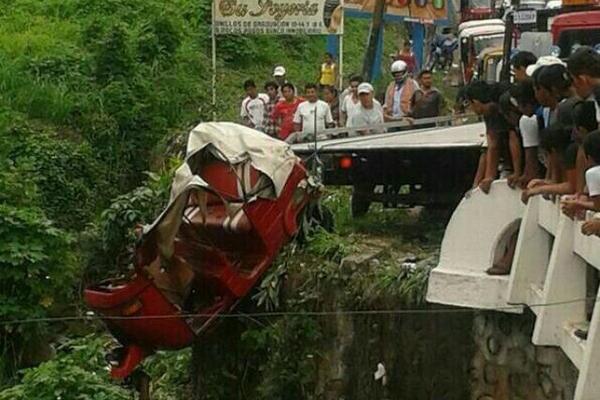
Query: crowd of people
point(542, 133)
point(281, 112)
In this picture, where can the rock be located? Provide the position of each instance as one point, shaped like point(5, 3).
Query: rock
point(545, 355)
point(374, 263)
point(409, 257)
point(410, 266)
point(352, 262)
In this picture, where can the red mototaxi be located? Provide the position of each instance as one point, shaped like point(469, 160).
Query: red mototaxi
point(234, 203)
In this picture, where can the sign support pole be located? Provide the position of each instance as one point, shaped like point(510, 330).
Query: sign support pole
point(341, 63)
point(371, 51)
point(341, 54)
point(214, 65)
point(418, 38)
point(341, 50)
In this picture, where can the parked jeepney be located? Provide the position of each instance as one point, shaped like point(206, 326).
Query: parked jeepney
point(478, 23)
point(489, 63)
point(472, 41)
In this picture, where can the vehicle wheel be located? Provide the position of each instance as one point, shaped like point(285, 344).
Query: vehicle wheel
point(360, 203)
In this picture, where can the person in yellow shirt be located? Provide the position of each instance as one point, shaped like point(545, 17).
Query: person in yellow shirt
point(328, 72)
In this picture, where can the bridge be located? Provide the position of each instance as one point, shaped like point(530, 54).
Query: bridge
point(548, 273)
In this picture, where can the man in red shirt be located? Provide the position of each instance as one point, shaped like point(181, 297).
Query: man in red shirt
point(283, 113)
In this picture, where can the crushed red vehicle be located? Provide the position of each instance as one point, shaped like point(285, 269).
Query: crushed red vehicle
point(234, 203)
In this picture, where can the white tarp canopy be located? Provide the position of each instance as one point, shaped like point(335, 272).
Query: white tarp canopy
point(236, 144)
point(229, 142)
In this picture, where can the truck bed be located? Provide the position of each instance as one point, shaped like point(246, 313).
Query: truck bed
point(461, 136)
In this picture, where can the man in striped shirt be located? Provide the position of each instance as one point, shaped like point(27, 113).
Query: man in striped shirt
point(252, 111)
point(271, 126)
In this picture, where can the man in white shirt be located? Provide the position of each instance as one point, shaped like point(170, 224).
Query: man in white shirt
point(350, 103)
point(368, 114)
point(312, 115)
point(253, 106)
point(529, 127)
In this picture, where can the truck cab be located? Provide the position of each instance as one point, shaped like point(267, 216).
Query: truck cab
point(477, 10)
point(572, 30)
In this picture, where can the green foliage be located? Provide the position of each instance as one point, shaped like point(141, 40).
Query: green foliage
point(158, 40)
point(114, 58)
point(328, 245)
point(90, 91)
point(170, 373)
point(67, 176)
point(291, 344)
point(38, 271)
point(268, 293)
point(409, 285)
point(75, 374)
point(111, 241)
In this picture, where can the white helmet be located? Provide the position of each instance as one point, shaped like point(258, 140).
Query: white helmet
point(399, 66)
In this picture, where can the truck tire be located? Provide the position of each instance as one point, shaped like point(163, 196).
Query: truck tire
point(360, 202)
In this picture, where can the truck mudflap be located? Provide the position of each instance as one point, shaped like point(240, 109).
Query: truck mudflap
point(223, 227)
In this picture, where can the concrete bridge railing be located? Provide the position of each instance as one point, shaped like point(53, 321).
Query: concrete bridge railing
point(550, 272)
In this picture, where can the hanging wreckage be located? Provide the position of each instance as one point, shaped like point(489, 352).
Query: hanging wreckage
point(234, 203)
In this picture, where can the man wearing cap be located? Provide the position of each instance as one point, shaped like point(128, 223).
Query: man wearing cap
point(279, 75)
point(399, 93)
point(368, 114)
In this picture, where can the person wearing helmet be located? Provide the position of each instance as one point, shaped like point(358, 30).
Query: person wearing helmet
point(399, 92)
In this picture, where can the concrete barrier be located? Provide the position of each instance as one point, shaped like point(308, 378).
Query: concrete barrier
point(478, 228)
point(549, 272)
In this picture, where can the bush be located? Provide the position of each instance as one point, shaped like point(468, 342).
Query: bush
point(75, 374)
point(68, 177)
point(38, 272)
point(110, 241)
point(170, 372)
point(114, 58)
point(290, 344)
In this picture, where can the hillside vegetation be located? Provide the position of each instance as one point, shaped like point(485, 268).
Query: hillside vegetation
point(91, 94)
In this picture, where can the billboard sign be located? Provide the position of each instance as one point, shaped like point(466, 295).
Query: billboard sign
point(277, 17)
point(425, 11)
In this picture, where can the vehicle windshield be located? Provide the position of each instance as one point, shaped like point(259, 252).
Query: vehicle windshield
point(571, 40)
point(483, 42)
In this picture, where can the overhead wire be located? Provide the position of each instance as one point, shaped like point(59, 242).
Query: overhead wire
point(514, 307)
